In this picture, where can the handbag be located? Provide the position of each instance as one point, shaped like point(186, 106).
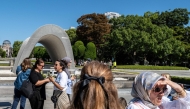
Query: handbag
point(55, 96)
point(27, 89)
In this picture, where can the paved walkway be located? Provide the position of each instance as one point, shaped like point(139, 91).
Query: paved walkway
point(6, 91)
point(6, 97)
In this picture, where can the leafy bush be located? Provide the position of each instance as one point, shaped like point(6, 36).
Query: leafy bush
point(183, 80)
point(4, 64)
point(78, 49)
point(90, 51)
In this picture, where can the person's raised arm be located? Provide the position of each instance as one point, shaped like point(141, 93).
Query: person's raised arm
point(40, 82)
point(179, 90)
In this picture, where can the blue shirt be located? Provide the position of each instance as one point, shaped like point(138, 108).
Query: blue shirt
point(21, 77)
point(69, 86)
point(69, 82)
point(18, 70)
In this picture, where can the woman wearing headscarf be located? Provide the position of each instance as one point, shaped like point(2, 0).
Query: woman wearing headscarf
point(148, 90)
point(71, 78)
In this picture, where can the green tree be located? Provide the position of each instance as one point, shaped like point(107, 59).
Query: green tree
point(72, 35)
point(176, 17)
point(137, 38)
point(186, 40)
point(16, 47)
point(78, 49)
point(93, 28)
point(39, 51)
point(90, 51)
point(81, 51)
point(3, 55)
point(2, 52)
point(46, 55)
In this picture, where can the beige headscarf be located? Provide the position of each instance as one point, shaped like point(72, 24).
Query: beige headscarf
point(142, 84)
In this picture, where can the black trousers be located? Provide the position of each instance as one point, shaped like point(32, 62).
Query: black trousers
point(35, 103)
point(69, 97)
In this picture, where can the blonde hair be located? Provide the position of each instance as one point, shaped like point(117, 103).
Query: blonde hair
point(123, 102)
point(104, 95)
point(26, 64)
point(167, 75)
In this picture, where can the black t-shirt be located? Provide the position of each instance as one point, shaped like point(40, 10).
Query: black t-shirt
point(39, 90)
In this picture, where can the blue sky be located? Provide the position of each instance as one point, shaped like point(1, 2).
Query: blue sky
point(19, 19)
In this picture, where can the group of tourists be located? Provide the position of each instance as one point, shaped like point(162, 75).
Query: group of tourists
point(63, 82)
point(96, 90)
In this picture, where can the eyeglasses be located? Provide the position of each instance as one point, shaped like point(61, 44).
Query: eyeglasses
point(157, 89)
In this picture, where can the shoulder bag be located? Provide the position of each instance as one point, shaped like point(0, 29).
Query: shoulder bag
point(55, 96)
point(27, 89)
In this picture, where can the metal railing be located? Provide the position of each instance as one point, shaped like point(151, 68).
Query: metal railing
point(53, 72)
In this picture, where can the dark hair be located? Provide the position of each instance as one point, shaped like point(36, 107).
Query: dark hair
point(65, 63)
point(38, 62)
point(62, 63)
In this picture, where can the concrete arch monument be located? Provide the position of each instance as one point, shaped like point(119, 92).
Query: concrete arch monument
point(53, 38)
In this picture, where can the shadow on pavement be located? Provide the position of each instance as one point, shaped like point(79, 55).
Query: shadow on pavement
point(5, 105)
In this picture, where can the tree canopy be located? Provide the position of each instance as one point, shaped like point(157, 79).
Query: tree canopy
point(93, 28)
point(16, 47)
point(90, 51)
point(158, 37)
point(78, 49)
point(72, 35)
point(136, 35)
point(2, 53)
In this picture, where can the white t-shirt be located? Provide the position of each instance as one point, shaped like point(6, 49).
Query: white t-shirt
point(61, 80)
point(181, 103)
point(138, 105)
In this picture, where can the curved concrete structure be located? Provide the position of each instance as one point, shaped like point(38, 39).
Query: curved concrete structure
point(53, 38)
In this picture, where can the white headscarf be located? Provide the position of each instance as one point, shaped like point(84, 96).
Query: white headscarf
point(67, 60)
point(142, 84)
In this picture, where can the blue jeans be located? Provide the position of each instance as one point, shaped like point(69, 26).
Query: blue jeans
point(17, 98)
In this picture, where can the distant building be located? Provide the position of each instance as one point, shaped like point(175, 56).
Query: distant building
point(6, 46)
point(72, 27)
point(112, 15)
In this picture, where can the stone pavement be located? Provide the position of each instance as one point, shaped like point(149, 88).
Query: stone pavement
point(6, 87)
point(6, 96)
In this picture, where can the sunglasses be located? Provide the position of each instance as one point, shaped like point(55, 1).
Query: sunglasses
point(41, 66)
point(157, 89)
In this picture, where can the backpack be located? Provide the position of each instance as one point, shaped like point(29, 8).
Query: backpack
point(27, 89)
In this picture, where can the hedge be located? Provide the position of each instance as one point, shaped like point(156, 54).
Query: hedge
point(144, 67)
point(183, 80)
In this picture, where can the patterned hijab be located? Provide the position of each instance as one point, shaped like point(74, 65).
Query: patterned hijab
point(142, 84)
point(67, 60)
